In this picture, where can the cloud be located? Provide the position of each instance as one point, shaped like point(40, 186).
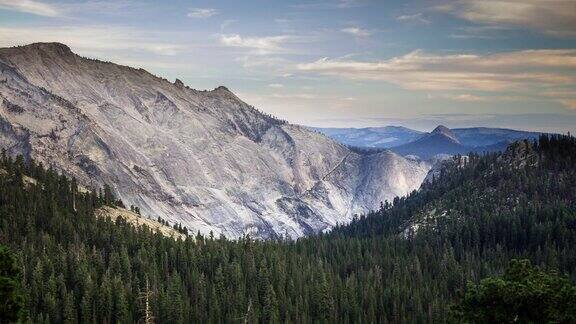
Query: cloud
point(466, 97)
point(72, 9)
point(568, 103)
point(269, 63)
point(520, 71)
point(202, 12)
point(91, 39)
point(553, 17)
point(259, 45)
point(276, 85)
point(31, 7)
point(415, 18)
point(419, 70)
point(357, 32)
point(565, 97)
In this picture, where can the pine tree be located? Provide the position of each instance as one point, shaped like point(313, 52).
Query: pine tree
point(12, 305)
point(121, 310)
point(270, 307)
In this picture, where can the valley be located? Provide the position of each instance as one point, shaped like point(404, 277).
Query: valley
point(302, 161)
point(410, 261)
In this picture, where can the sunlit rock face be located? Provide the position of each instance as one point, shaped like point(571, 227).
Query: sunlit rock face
point(202, 158)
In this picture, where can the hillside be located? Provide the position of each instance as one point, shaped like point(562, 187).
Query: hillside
point(204, 159)
point(526, 180)
point(115, 213)
point(407, 262)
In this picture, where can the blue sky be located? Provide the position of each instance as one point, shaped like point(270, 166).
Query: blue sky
point(341, 63)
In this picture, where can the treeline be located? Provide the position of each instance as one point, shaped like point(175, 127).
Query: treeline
point(79, 268)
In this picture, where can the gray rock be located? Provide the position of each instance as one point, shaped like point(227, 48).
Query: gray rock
point(202, 158)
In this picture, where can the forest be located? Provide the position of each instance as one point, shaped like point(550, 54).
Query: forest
point(412, 261)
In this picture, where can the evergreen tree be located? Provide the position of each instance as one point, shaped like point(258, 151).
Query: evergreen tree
point(12, 301)
point(524, 294)
point(407, 262)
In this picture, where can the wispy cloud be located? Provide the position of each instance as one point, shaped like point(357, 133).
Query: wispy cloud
point(258, 45)
point(564, 96)
point(72, 9)
point(466, 97)
point(472, 98)
point(356, 31)
point(553, 17)
point(510, 71)
point(420, 70)
point(276, 85)
point(415, 18)
point(202, 12)
point(568, 103)
point(30, 6)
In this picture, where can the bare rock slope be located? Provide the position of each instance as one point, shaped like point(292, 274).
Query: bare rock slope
point(202, 158)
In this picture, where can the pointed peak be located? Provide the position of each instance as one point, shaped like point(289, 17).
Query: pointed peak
point(445, 131)
point(179, 84)
point(225, 92)
point(441, 129)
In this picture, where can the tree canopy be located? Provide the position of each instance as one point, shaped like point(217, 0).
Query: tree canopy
point(11, 298)
point(524, 294)
point(407, 262)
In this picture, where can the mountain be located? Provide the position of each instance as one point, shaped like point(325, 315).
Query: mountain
point(204, 159)
point(440, 141)
point(374, 137)
point(513, 191)
point(445, 141)
point(425, 145)
point(409, 262)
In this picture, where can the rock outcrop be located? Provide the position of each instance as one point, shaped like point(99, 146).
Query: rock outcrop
point(204, 159)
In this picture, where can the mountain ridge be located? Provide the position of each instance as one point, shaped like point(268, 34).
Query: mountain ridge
point(440, 141)
point(202, 158)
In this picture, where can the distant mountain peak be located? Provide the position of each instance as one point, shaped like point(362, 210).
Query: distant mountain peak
point(443, 130)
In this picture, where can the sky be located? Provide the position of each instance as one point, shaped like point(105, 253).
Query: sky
point(338, 63)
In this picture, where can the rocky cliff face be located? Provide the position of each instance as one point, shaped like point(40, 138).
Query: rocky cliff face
point(203, 158)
